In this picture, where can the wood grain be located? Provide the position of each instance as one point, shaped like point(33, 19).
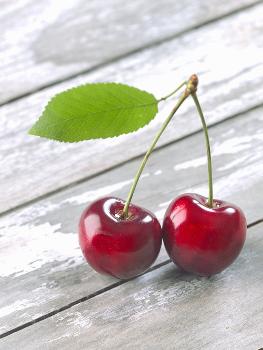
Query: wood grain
point(41, 266)
point(43, 42)
point(230, 71)
point(164, 309)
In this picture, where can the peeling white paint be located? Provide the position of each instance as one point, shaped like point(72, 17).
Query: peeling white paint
point(58, 339)
point(90, 196)
point(228, 185)
point(16, 306)
point(80, 321)
point(34, 211)
point(234, 163)
point(42, 208)
point(234, 145)
point(155, 296)
point(95, 194)
point(193, 163)
point(74, 323)
point(27, 248)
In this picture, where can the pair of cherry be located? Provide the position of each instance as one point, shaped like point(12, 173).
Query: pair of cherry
point(198, 239)
point(201, 236)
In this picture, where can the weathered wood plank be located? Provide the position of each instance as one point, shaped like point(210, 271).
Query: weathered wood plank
point(41, 266)
point(164, 309)
point(46, 41)
point(231, 81)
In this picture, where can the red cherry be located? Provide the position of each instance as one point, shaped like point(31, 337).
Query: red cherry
point(119, 247)
point(200, 239)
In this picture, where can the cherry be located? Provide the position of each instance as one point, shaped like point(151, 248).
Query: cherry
point(203, 236)
point(200, 239)
point(117, 246)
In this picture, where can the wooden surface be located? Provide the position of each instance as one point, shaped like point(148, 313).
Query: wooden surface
point(44, 42)
point(49, 297)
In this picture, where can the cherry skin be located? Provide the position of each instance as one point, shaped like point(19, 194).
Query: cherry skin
point(203, 240)
point(115, 246)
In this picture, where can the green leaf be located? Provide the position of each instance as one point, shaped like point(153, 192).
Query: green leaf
point(94, 111)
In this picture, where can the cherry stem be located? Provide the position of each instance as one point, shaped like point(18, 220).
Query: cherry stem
point(191, 86)
point(173, 92)
point(208, 150)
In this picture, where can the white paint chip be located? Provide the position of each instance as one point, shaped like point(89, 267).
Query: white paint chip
point(193, 163)
point(46, 245)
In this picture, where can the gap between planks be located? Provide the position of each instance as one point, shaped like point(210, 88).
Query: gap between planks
point(93, 295)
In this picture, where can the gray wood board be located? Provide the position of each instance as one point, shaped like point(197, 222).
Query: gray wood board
point(42, 268)
point(230, 70)
point(43, 42)
point(164, 309)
